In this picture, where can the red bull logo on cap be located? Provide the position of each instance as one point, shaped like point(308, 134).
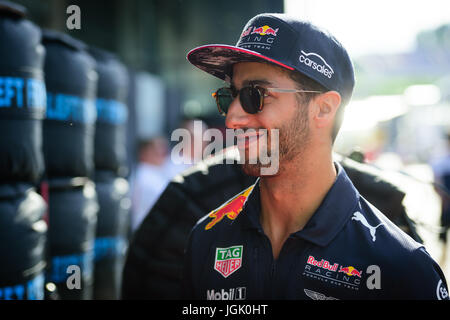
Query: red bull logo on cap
point(263, 31)
point(230, 209)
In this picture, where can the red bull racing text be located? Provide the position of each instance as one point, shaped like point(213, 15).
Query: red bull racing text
point(323, 270)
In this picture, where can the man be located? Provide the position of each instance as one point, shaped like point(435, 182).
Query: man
point(303, 232)
point(441, 171)
point(150, 179)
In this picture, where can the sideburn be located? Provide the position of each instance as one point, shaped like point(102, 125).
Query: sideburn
point(294, 135)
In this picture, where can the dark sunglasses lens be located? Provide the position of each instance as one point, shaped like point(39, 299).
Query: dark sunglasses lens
point(250, 99)
point(224, 99)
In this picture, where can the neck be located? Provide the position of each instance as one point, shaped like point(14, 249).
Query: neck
point(289, 199)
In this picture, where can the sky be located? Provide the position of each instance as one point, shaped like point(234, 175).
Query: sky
point(373, 27)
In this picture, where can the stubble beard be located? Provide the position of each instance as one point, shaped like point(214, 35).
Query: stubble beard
point(293, 137)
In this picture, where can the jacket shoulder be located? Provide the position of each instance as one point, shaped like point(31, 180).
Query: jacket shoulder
point(407, 269)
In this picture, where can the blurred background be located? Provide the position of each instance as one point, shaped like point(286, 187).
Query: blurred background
point(398, 119)
point(152, 38)
point(400, 52)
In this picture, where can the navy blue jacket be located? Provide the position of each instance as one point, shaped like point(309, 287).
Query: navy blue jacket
point(347, 250)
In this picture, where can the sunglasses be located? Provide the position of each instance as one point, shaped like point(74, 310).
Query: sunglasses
point(251, 97)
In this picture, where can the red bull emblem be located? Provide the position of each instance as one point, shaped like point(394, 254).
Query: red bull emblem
point(263, 31)
point(230, 209)
point(246, 32)
point(350, 271)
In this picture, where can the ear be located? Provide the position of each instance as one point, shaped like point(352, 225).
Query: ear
point(327, 105)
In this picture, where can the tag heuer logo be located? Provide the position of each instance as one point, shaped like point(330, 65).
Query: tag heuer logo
point(228, 260)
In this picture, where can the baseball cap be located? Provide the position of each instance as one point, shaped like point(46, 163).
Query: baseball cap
point(287, 42)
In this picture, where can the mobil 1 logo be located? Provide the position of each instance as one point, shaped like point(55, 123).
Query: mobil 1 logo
point(238, 293)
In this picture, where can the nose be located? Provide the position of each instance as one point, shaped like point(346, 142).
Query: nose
point(236, 116)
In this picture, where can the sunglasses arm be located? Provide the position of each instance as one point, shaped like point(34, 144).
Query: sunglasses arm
point(291, 90)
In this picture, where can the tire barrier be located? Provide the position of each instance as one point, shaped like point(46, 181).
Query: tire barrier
point(23, 234)
point(48, 136)
point(22, 96)
point(69, 126)
point(23, 231)
point(112, 113)
point(110, 160)
point(73, 212)
point(112, 234)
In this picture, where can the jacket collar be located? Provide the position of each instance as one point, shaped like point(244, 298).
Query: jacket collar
point(334, 211)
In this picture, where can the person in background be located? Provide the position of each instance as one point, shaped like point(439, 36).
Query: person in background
point(150, 178)
point(441, 170)
point(157, 167)
point(190, 149)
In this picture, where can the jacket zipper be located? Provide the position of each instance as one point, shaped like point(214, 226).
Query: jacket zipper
point(272, 279)
point(272, 284)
